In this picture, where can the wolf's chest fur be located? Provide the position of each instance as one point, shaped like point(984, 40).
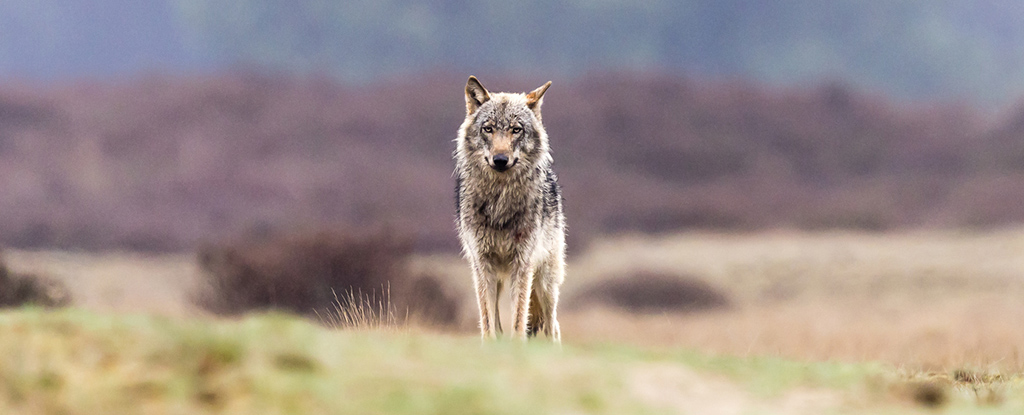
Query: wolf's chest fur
point(502, 214)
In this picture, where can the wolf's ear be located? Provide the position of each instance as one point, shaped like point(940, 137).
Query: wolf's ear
point(533, 99)
point(476, 94)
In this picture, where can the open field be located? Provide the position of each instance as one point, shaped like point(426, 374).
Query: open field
point(936, 308)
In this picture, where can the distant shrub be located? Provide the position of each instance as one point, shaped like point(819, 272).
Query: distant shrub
point(648, 292)
point(662, 221)
point(22, 289)
point(864, 221)
point(430, 303)
point(360, 273)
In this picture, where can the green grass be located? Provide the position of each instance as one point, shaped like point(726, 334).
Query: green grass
point(74, 362)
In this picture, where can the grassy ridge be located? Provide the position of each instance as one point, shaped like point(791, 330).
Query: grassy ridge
point(75, 362)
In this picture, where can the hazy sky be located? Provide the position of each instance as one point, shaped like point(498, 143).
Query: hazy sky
point(906, 48)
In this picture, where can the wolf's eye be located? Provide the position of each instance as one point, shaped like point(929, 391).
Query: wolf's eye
point(517, 130)
point(488, 129)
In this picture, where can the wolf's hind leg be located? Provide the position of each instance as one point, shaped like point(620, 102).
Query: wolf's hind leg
point(536, 321)
point(546, 291)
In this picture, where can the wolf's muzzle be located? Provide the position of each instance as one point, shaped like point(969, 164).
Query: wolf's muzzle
point(500, 162)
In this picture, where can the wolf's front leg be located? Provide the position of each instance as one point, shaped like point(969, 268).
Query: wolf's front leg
point(522, 284)
point(487, 290)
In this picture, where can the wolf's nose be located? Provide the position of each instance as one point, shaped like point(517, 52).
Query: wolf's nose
point(500, 161)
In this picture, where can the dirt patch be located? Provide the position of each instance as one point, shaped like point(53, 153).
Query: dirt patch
point(681, 390)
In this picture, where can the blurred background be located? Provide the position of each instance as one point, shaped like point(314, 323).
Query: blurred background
point(166, 126)
point(157, 125)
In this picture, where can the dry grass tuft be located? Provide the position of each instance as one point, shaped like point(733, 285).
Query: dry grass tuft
point(936, 389)
point(354, 310)
point(985, 387)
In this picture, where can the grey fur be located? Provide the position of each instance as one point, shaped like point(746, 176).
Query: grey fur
point(511, 222)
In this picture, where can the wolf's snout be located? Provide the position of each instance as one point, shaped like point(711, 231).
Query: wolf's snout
point(500, 162)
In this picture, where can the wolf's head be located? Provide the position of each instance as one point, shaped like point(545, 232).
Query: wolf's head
point(502, 129)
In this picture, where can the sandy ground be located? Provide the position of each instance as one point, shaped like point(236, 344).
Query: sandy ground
point(117, 281)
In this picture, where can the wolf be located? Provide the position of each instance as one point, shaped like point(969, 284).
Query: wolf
point(509, 210)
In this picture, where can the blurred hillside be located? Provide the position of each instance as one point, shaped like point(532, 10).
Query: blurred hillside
point(943, 49)
point(166, 162)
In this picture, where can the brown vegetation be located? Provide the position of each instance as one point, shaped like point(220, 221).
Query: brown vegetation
point(163, 163)
point(353, 277)
point(647, 292)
